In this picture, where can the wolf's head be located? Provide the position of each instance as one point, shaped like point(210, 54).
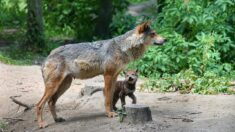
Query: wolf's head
point(143, 35)
point(148, 35)
point(131, 76)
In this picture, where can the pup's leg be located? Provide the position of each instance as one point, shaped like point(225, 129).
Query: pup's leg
point(122, 97)
point(115, 99)
point(52, 86)
point(132, 96)
point(52, 101)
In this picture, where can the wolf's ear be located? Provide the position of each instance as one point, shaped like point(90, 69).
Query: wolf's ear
point(143, 27)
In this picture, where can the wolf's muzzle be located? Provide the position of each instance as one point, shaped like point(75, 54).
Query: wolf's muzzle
point(159, 42)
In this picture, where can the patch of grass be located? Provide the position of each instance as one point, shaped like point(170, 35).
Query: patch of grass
point(7, 60)
point(136, 1)
point(11, 34)
point(3, 126)
point(121, 114)
point(188, 82)
point(16, 56)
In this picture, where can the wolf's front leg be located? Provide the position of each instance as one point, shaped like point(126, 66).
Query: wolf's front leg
point(108, 92)
point(132, 96)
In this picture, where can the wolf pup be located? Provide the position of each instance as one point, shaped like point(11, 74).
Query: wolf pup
point(125, 88)
point(86, 60)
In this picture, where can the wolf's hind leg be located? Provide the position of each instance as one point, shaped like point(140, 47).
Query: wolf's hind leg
point(52, 86)
point(52, 101)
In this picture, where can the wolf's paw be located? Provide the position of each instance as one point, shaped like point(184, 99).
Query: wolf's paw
point(59, 119)
point(42, 125)
point(111, 114)
point(115, 109)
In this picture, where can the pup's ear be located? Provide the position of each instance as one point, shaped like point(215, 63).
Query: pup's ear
point(124, 72)
point(143, 27)
point(136, 71)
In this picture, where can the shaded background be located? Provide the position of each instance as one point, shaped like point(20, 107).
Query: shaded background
point(199, 56)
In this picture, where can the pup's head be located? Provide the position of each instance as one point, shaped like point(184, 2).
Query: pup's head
point(131, 76)
point(149, 35)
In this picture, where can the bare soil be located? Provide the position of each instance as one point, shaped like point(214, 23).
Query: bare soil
point(171, 112)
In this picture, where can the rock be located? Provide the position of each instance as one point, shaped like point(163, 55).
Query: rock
point(138, 113)
point(91, 88)
point(187, 120)
point(39, 61)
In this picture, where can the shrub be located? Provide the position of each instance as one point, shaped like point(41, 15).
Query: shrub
point(199, 55)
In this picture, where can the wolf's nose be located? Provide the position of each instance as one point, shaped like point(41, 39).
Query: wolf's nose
point(130, 79)
point(162, 41)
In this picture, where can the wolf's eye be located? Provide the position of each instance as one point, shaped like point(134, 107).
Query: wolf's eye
point(152, 34)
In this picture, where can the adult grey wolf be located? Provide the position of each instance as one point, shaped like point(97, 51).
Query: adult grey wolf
point(86, 60)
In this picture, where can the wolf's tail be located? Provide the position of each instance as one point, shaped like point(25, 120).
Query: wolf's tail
point(97, 90)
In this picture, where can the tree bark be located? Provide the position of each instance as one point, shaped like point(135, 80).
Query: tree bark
point(104, 18)
point(35, 32)
point(137, 114)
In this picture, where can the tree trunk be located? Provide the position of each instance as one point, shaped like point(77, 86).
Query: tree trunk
point(104, 19)
point(34, 35)
point(138, 114)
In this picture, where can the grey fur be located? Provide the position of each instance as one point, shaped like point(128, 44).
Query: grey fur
point(94, 56)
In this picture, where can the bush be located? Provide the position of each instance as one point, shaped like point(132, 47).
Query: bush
point(84, 14)
point(199, 55)
point(122, 22)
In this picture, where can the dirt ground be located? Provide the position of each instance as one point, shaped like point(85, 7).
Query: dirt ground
point(171, 112)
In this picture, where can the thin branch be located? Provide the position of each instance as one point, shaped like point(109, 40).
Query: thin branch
point(183, 119)
point(8, 118)
point(27, 107)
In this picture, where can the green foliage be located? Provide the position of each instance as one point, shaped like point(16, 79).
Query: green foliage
point(63, 20)
point(34, 39)
point(12, 13)
point(3, 126)
point(12, 55)
point(199, 56)
point(84, 14)
point(121, 114)
point(137, 1)
point(122, 22)
point(188, 82)
point(12, 19)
